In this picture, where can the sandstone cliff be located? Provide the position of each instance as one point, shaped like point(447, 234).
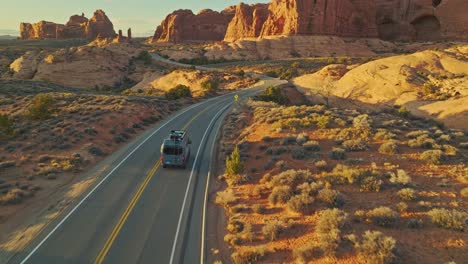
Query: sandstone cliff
point(184, 25)
point(346, 18)
point(422, 19)
point(247, 22)
point(77, 27)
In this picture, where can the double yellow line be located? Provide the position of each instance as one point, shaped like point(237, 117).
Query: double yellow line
point(102, 254)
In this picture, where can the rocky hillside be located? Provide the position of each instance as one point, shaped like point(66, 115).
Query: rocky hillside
point(77, 27)
point(431, 83)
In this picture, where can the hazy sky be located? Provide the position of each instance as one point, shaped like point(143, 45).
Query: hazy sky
point(141, 15)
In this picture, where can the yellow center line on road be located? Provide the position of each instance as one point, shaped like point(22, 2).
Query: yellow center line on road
point(115, 232)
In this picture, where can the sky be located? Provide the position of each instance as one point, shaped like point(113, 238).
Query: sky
point(141, 15)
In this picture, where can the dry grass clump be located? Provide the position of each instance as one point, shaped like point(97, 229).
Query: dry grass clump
point(13, 196)
point(355, 145)
point(407, 194)
point(389, 148)
point(225, 198)
point(382, 216)
point(249, 256)
point(423, 141)
point(400, 177)
point(375, 248)
point(432, 156)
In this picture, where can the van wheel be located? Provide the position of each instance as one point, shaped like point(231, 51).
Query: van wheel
point(164, 166)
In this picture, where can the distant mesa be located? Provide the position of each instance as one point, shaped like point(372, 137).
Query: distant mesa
point(410, 20)
point(78, 26)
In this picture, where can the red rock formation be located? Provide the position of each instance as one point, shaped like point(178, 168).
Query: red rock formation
point(247, 22)
point(76, 27)
point(348, 18)
point(422, 19)
point(183, 25)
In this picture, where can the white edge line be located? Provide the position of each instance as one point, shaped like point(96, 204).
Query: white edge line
point(202, 253)
point(105, 178)
point(182, 210)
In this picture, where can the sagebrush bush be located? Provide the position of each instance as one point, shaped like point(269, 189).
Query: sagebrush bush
point(323, 121)
point(224, 198)
point(280, 194)
point(302, 138)
point(400, 177)
point(298, 154)
point(235, 226)
point(272, 229)
point(388, 148)
point(432, 156)
point(464, 192)
point(300, 203)
point(258, 208)
point(332, 198)
point(248, 256)
point(311, 145)
point(355, 145)
point(289, 177)
point(42, 107)
point(13, 196)
point(415, 223)
point(372, 183)
point(321, 164)
point(382, 216)
point(337, 154)
point(328, 229)
point(407, 194)
point(454, 219)
point(423, 141)
point(375, 248)
point(6, 127)
point(210, 85)
point(180, 91)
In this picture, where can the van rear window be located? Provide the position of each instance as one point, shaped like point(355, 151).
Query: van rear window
point(172, 150)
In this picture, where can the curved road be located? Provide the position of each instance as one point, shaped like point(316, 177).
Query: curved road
point(139, 212)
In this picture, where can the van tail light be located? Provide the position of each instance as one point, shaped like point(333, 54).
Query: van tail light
point(161, 158)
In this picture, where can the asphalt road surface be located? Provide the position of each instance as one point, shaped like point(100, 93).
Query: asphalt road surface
point(139, 212)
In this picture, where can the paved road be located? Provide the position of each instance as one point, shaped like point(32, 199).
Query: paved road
point(139, 212)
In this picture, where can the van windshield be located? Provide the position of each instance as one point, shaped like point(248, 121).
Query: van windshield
point(172, 150)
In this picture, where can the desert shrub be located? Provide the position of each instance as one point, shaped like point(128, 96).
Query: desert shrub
point(13, 196)
point(305, 252)
point(432, 156)
point(382, 216)
point(415, 223)
point(423, 141)
point(355, 145)
point(272, 229)
point(323, 121)
point(280, 194)
point(450, 150)
point(400, 177)
point(344, 174)
point(388, 148)
point(362, 122)
point(372, 183)
point(403, 111)
point(332, 198)
point(311, 145)
point(454, 219)
point(300, 203)
point(145, 57)
point(6, 127)
point(180, 91)
point(42, 107)
point(383, 134)
point(321, 164)
point(337, 154)
point(248, 256)
point(310, 189)
point(464, 192)
point(298, 154)
point(407, 194)
point(289, 178)
point(328, 230)
point(235, 226)
point(234, 165)
point(224, 198)
point(232, 239)
point(402, 207)
point(301, 138)
point(210, 85)
point(258, 208)
point(375, 248)
point(272, 94)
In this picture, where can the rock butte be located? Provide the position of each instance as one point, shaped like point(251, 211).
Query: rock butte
point(411, 20)
point(77, 27)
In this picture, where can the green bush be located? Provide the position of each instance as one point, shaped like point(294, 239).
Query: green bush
point(234, 165)
point(456, 220)
point(432, 156)
point(42, 107)
point(272, 94)
point(210, 85)
point(375, 248)
point(180, 91)
point(6, 127)
point(328, 230)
